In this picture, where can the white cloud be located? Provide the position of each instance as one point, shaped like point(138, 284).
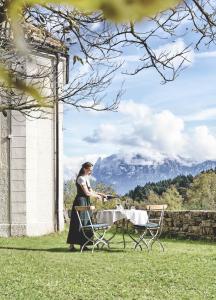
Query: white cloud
point(206, 114)
point(172, 49)
point(105, 133)
point(202, 144)
point(84, 68)
point(73, 164)
point(206, 54)
point(95, 26)
point(142, 130)
point(165, 132)
point(134, 110)
point(130, 58)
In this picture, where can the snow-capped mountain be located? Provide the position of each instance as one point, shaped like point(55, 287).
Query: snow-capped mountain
point(125, 173)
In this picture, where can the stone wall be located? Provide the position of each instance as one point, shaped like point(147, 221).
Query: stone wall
point(197, 224)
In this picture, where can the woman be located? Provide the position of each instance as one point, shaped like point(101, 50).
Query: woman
point(84, 192)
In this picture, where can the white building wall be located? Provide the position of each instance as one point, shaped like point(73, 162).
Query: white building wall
point(31, 206)
point(4, 178)
point(40, 197)
point(40, 158)
point(62, 81)
point(18, 174)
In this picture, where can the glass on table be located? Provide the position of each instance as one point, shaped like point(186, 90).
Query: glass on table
point(119, 206)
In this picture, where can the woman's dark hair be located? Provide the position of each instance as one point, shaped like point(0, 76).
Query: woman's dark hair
point(86, 165)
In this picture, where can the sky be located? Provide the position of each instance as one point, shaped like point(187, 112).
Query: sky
point(155, 120)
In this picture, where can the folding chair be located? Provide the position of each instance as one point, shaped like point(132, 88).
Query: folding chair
point(153, 227)
point(93, 232)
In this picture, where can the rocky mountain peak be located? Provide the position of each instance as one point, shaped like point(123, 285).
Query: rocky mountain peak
point(126, 172)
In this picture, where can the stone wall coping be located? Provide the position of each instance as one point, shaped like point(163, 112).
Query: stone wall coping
point(184, 211)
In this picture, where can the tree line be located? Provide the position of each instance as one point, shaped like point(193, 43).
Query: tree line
point(182, 192)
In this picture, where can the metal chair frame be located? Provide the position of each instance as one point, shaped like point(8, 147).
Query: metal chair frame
point(154, 227)
point(96, 228)
point(120, 226)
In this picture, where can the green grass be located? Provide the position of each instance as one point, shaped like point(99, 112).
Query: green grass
point(42, 268)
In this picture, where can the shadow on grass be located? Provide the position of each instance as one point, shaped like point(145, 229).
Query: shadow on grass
point(60, 250)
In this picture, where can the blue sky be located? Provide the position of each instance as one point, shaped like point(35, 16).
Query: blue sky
point(175, 119)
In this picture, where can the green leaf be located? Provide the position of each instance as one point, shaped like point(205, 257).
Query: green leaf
point(77, 58)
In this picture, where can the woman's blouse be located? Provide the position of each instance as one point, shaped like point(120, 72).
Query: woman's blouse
point(84, 180)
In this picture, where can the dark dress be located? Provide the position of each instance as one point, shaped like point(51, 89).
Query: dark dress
point(75, 235)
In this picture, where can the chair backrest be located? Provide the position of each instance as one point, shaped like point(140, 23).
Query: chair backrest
point(160, 208)
point(156, 206)
point(84, 214)
point(85, 208)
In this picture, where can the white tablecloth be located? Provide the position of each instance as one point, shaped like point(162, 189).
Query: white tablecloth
point(110, 216)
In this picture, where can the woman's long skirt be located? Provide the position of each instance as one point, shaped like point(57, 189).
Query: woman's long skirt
point(75, 234)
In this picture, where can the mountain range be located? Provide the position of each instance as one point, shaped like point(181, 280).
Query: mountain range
point(125, 173)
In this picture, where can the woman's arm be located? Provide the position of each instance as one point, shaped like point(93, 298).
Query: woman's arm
point(102, 194)
point(99, 193)
point(91, 192)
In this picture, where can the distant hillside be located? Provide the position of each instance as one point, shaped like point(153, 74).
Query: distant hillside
point(181, 182)
point(125, 174)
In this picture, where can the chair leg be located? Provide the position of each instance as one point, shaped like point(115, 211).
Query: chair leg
point(97, 242)
point(83, 246)
point(137, 244)
point(100, 239)
point(96, 239)
point(155, 238)
point(135, 241)
point(88, 240)
point(145, 243)
point(113, 235)
point(123, 236)
point(141, 239)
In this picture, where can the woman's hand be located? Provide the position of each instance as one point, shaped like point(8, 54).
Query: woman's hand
point(105, 199)
point(98, 197)
point(102, 195)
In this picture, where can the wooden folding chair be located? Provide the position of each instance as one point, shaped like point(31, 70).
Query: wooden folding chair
point(153, 227)
point(93, 232)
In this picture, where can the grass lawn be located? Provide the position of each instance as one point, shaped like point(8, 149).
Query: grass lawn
point(42, 268)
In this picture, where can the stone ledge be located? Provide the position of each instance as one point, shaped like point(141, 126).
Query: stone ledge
point(4, 230)
point(18, 229)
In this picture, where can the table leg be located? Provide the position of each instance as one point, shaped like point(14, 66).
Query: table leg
point(122, 225)
point(123, 231)
point(128, 232)
point(141, 238)
point(114, 234)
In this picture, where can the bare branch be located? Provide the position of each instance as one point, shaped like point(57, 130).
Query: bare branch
point(94, 42)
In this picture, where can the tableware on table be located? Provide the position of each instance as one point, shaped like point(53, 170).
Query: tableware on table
point(119, 207)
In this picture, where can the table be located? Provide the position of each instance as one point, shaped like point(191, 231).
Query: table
point(112, 216)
